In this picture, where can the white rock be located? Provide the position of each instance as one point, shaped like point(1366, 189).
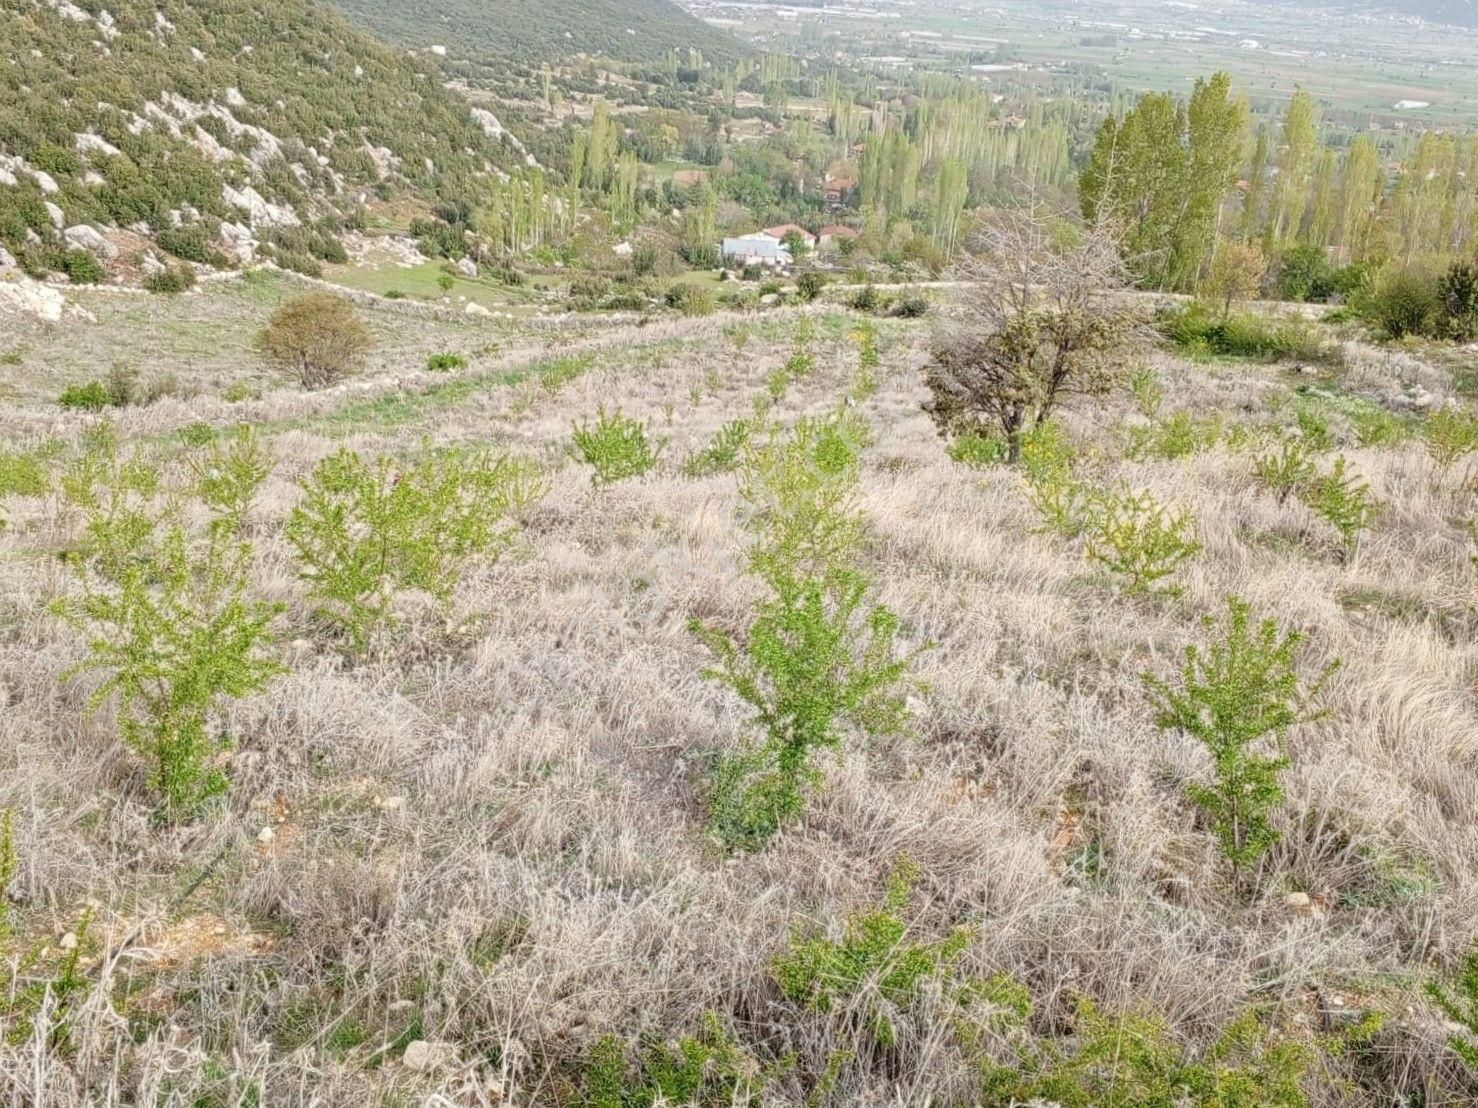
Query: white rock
point(423, 1056)
point(239, 242)
point(257, 208)
point(82, 237)
point(439, 51)
point(56, 215)
point(89, 143)
point(234, 97)
point(45, 182)
point(7, 259)
point(476, 309)
point(467, 267)
point(152, 266)
point(266, 835)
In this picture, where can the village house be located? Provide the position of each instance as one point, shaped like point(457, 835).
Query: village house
point(761, 248)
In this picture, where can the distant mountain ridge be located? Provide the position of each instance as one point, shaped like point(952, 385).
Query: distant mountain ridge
point(213, 128)
point(544, 30)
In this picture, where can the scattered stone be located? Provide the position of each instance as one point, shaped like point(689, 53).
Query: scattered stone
point(1301, 903)
point(7, 259)
point(467, 267)
point(152, 266)
point(68, 941)
point(56, 215)
point(266, 835)
point(423, 1057)
point(476, 309)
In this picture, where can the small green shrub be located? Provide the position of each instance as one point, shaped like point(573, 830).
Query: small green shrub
point(364, 531)
point(1313, 427)
point(1139, 540)
point(1450, 433)
point(691, 299)
point(175, 636)
point(615, 447)
point(557, 374)
point(9, 867)
point(1178, 435)
point(1197, 330)
point(1457, 302)
point(198, 434)
point(875, 961)
point(1459, 1003)
point(1345, 502)
point(865, 299)
point(818, 659)
point(119, 498)
point(723, 452)
point(91, 397)
point(1239, 696)
point(1133, 1061)
point(911, 307)
point(22, 473)
point(82, 268)
point(800, 365)
point(1053, 489)
point(172, 279)
point(977, 451)
point(445, 363)
point(811, 284)
point(703, 1070)
point(229, 474)
point(1403, 302)
point(1148, 392)
point(1286, 470)
point(1375, 426)
point(238, 391)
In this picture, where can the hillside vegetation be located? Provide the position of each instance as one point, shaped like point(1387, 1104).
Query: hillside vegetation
point(481, 810)
point(174, 118)
point(545, 30)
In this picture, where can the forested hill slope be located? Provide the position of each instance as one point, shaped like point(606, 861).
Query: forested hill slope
point(178, 119)
point(545, 30)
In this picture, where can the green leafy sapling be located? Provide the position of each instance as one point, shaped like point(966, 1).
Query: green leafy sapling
point(1139, 541)
point(365, 530)
point(1345, 501)
point(1287, 469)
point(615, 447)
point(1239, 696)
point(228, 475)
point(174, 637)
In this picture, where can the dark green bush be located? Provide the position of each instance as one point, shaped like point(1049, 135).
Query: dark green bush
point(1403, 302)
point(1305, 273)
point(82, 268)
point(445, 363)
point(1457, 302)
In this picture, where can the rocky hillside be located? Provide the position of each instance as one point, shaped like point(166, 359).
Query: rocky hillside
point(532, 31)
point(215, 131)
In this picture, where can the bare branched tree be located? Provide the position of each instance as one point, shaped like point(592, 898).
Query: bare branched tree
point(1042, 317)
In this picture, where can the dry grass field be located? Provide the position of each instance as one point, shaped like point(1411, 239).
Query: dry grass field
point(446, 869)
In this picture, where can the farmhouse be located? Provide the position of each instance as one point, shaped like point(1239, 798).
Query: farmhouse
point(757, 249)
